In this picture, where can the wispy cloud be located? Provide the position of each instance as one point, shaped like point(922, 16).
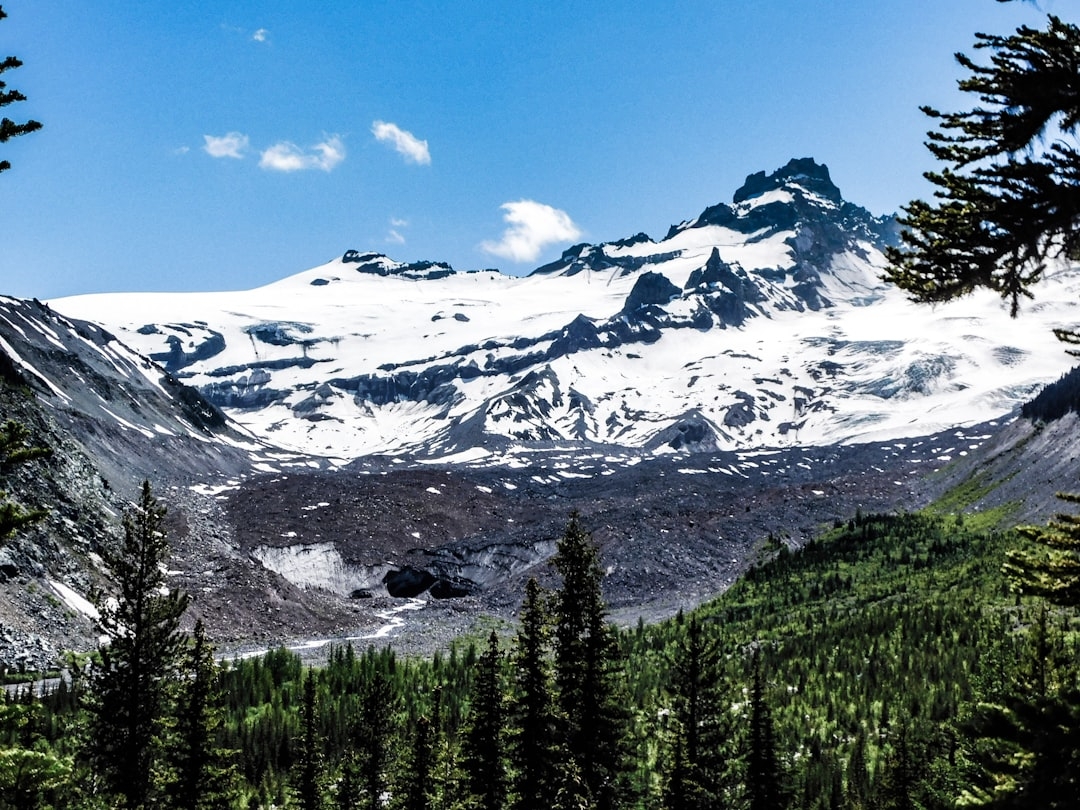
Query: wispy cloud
point(230, 145)
point(532, 227)
point(395, 237)
point(258, 35)
point(405, 143)
point(288, 157)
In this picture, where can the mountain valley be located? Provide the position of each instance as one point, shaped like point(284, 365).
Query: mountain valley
point(369, 431)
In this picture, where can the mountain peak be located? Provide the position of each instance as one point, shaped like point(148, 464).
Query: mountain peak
point(805, 172)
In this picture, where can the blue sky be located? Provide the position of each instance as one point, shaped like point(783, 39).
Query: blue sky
point(226, 144)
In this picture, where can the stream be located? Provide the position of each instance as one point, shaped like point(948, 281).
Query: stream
point(392, 620)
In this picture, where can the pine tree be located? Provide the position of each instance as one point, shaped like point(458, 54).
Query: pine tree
point(897, 784)
point(1008, 202)
point(593, 718)
point(1009, 198)
point(764, 777)
point(132, 687)
point(532, 745)
point(349, 792)
point(696, 778)
point(375, 735)
point(484, 760)
point(418, 778)
point(8, 128)
point(204, 776)
point(1052, 569)
point(857, 789)
point(14, 451)
point(310, 767)
point(1026, 752)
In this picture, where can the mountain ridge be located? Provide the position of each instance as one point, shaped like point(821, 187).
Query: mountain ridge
point(763, 322)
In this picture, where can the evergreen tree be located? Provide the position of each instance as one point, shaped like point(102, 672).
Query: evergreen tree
point(204, 775)
point(132, 687)
point(532, 746)
point(375, 736)
point(8, 128)
point(593, 718)
point(310, 769)
point(1009, 198)
point(418, 777)
point(764, 777)
point(697, 774)
point(1027, 753)
point(349, 792)
point(484, 760)
point(897, 785)
point(1052, 570)
point(857, 782)
point(13, 451)
point(1009, 201)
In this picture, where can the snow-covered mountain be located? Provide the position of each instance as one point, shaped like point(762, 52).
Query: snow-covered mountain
point(758, 323)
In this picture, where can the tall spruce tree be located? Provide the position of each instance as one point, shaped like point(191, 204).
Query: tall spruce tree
point(8, 128)
point(532, 742)
point(587, 670)
point(417, 788)
point(374, 734)
point(696, 777)
point(203, 774)
point(1009, 202)
point(310, 767)
point(484, 754)
point(765, 783)
point(134, 684)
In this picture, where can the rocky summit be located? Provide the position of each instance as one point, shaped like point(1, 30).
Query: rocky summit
point(372, 430)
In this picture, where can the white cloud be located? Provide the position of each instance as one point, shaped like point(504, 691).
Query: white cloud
point(261, 35)
point(288, 157)
point(395, 237)
point(533, 226)
point(405, 143)
point(231, 145)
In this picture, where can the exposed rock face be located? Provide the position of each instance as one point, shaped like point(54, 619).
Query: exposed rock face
point(379, 265)
point(176, 357)
point(110, 418)
point(649, 289)
point(804, 172)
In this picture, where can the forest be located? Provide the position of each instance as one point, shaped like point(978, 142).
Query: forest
point(887, 664)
